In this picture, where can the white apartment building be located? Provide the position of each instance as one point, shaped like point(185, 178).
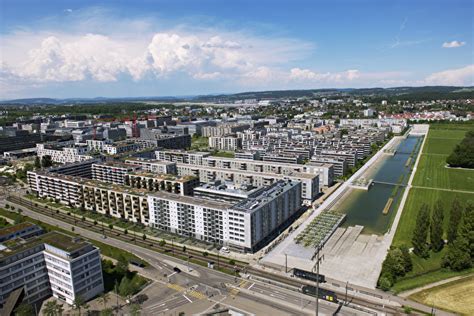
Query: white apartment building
point(112, 172)
point(50, 264)
point(152, 165)
point(62, 188)
point(97, 145)
point(63, 154)
point(228, 143)
point(245, 226)
point(120, 147)
point(206, 174)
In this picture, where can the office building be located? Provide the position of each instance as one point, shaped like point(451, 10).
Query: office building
point(50, 264)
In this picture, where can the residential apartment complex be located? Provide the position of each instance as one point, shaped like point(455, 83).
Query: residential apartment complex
point(245, 225)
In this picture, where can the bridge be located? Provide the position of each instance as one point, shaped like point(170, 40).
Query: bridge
point(390, 183)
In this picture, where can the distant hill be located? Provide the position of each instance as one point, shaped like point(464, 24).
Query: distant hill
point(398, 93)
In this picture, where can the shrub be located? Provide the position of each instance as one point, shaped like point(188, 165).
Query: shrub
point(384, 283)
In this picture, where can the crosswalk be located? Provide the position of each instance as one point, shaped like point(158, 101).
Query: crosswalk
point(244, 284)
point(192, 292)
point(197, 294)
point(176, 287)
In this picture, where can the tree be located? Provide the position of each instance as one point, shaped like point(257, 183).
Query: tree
point(37, 162)
point(52, 308)
point(460, 254)
point(122, 265)
point(384, 283)
point(455, 216)
point(24, 310)
point(104, 298)
point(125, 287)
point(46, 161)
point(463, 154)
point(466, 229)
point(420, 234)
point(135, 310)
point(79, 303)
point(407, 263)
point(436, 232)
point(106, 312)
point(394, 263)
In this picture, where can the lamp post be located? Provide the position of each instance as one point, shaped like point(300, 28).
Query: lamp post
point(318, 261)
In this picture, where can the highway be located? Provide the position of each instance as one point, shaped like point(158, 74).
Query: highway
point(267, 294)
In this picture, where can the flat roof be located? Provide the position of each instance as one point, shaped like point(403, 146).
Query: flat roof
point(301, 175)
point(192, 200)
point(18, 227)
point(151, 161)
point(162, 176)
point(56, 239)
point(265, 196)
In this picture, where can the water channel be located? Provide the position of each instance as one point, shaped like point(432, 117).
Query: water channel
point(366, 208)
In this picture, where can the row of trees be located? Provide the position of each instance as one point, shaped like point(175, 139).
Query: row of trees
point(428, 233)
point(463, 154)
point(460, 252)
point(44, 162)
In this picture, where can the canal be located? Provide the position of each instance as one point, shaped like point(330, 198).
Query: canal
point(371, 208)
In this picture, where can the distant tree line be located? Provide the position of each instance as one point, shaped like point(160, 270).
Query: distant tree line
point(463, 154)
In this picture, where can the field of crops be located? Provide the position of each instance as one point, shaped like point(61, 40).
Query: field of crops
point(456, 296)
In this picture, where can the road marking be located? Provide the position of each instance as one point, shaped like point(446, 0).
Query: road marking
point(197, 294)
point(251, 286)
point(187, 298)
point(176, 287)
point(169, 276)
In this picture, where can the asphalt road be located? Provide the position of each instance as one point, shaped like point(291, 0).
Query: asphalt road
point(208, 278)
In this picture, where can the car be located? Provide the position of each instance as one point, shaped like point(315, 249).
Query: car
point(176, 269)
point(225, 250)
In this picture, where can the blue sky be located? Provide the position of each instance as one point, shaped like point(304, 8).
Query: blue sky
point(152, 48)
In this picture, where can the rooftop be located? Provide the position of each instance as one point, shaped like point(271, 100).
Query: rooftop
point(191, 200)
point(56, 239)
point(265, 196)
point(12, 229)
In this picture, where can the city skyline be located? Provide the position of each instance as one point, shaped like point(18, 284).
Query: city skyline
point(81, 49)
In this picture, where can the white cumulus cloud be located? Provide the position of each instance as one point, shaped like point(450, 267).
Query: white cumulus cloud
point(457, 77)
point(453, 44)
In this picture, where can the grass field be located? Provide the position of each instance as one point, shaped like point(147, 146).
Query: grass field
point(432, 174)
point(456, 296)
point(415, 199)
point(432, 171)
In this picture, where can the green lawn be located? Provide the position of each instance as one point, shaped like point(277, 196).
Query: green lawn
point(199, 143)
point(415, 199)
point(432, 172)
point(224, 154)
point(443, 146)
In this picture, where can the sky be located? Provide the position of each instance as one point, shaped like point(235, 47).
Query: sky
point(84, 48)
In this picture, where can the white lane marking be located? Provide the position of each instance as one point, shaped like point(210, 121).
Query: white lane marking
point(187, 298)
point(169, 276)
point(251, 286)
